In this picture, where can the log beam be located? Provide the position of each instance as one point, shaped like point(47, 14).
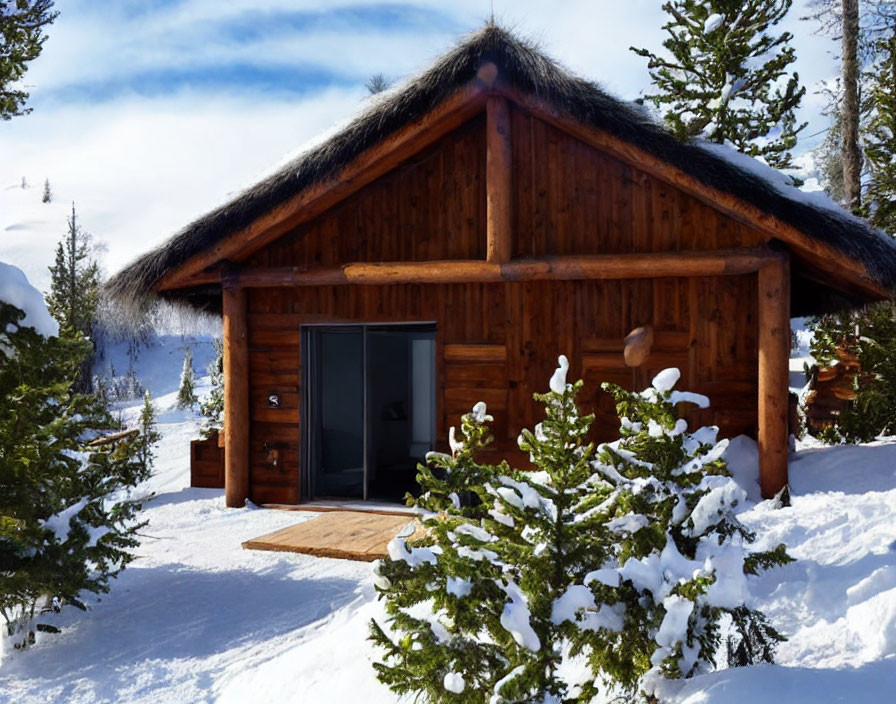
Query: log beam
point(774, 372)
point(572, 268)
point(498, 180)
point(236, 397)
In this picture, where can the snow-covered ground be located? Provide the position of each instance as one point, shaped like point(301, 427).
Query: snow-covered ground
point(198, 619)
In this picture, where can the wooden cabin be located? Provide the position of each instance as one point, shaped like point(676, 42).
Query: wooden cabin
point(462, 232)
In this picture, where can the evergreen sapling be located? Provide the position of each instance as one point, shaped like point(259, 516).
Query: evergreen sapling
point(67, 513)
point(630, 557)
point(144, 445)
point(681, 557)
point(212, 406)
point(186, 392)
point(476, 613)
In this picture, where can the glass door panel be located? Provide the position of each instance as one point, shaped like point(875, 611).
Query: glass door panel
point(340, 410)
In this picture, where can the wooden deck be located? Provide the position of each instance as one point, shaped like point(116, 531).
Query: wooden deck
point(349, 535)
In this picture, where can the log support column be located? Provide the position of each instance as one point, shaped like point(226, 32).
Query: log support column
point(498, 165)
point(774, 374)
point(236, 397)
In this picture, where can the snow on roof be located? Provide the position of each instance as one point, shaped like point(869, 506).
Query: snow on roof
point(15, 290)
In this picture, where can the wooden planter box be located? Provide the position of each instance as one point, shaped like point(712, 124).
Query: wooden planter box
point(207, 463)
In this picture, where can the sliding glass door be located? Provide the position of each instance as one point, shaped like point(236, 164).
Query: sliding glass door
point(369, 409)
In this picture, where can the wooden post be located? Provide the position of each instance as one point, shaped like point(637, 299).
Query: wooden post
point(774, 374)
point(236, 397)
point(499, 197)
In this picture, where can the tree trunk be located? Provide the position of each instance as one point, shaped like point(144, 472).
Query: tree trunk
point(852, 158)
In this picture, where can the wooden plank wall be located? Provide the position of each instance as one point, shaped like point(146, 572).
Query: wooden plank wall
point(571, 198)
point(432, 207)
point(499, 342)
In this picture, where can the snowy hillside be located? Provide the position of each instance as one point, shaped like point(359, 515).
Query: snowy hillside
point(198, 619)
point(30, 228)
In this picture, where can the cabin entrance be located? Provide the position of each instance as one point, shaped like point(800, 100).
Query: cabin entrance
point(368, 409)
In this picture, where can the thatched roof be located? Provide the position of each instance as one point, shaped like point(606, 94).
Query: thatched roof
point(529, 72)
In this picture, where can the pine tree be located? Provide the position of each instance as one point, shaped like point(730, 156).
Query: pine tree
point(48, 194)
point(828, 155)
point(721, 76)
point(74, 293)
point(66, 526)
point(682, 555)
point(880, 134)
point(212, 407)
point(75, 281)
point(22, 26)
point(484, 585)
point(144, 445)
point(630, 556)
point(186, 392)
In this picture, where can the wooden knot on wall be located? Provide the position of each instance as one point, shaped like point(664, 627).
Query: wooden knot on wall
point(637, 345)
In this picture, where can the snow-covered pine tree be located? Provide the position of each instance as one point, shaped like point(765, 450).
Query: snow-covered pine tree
point(145, 443)
point(632, 559)
point(186, 392)
point(476, 609)
point(48, 194)
point(880, 133)
point(212, 407)
point(722, 76)
point(67, 524)
point(74, 294)
point(681, 556)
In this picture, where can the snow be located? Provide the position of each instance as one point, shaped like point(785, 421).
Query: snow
point(515, 619)
point(60, 523)
point(666, 379)
point(527, 497)
point(713, 22)
point(629, 523)
point(475, 532)
point(458, 587)
point(742, 456)
point(783, 184)
point(698, 400)
point(674, 626)
point(197, 618)
point(454, 682)
point(558, 380)
point(398, 550)
point(480, 413)
point(577, 603)
point(15, 290)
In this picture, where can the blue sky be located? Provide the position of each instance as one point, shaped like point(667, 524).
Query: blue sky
point(149, 112)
